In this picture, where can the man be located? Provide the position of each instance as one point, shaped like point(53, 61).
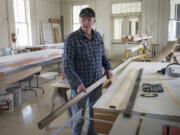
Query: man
point(82, 64)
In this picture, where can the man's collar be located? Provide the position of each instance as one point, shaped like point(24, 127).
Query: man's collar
point(81, 31)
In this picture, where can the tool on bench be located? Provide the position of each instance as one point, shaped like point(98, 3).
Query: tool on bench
point(149, 94)
point(172, 69)
point(151, 90)
point(153, 87)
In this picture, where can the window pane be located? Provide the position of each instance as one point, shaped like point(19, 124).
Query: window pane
point(19, 9)
point(177, 29)
point(76, 11)
point(22, 34)
point(178, 12)
point(134, 26)
point(76, 27)
point(117, 28)
point(130, 7)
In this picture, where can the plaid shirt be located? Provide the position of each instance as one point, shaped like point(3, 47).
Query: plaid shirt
point(83, 59)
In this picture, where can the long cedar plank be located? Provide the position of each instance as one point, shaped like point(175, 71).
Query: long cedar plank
point(123, 89)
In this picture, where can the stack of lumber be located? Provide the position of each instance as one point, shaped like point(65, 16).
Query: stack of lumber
point(15, 62)
point(42, 47)
point(133, 38)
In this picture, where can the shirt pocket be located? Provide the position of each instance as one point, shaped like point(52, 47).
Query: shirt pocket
point(82, 53)
point(98, 48)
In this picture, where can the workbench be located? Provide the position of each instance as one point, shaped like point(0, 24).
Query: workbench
point(16, 67)
point(60, 93)
point(166, 106)
point(14, 63)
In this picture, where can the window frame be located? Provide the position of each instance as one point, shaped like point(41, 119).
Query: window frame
point(27, 22)
point(72, 24)
point(122, 16)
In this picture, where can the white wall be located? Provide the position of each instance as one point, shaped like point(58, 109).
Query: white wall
point(40, 11)
point(155, 20)
point(4, 32)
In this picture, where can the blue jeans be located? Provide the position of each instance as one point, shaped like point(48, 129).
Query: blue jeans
point(91, 98)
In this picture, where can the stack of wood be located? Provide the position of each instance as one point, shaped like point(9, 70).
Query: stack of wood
point(132, 38)
point(42, 47)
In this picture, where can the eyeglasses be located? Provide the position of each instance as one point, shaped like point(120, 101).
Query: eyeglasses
point(86, 19)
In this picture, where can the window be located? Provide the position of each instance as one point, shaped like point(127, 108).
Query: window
point(76, 11)
point(22, 22)
point(131, 7)
point(125, 19)
point(177, 20)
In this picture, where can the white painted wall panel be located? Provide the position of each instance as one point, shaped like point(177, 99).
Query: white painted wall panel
point(46, 9)
point(103, 22)
point(150, 17)
point(3, 9)
point(4, 28)
point(4, 34)
point(41, 11)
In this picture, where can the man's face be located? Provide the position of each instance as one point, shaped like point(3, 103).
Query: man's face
point(87, 23)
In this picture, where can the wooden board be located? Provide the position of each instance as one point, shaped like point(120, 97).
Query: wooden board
point(53, 20)
point(18, 61)
point(57, 35)
point(122, 89)
point(117, 94)
point(9, 79)
point(104, 128)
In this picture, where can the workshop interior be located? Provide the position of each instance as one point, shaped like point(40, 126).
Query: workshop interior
point(141, 40)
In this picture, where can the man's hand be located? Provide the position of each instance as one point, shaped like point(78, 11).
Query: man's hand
point(81, 88)
point(109, 73)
